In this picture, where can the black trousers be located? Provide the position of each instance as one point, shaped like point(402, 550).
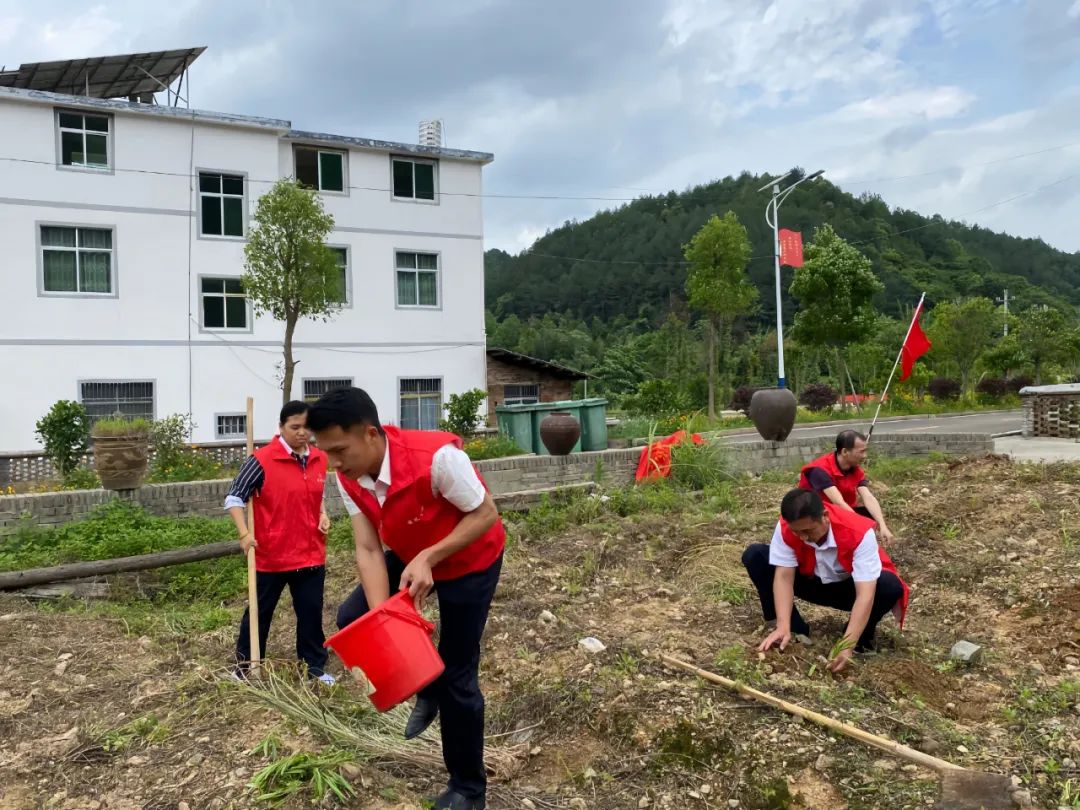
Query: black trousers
point(463, 610)
point(306, 588)
point(838, 595)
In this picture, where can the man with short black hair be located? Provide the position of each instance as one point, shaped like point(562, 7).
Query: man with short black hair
point(838, 478)
point(825, 555)
point(417, 493)
point(285, 482)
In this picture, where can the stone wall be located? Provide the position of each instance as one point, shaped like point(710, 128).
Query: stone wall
point(1051, 410)
point(505, 475)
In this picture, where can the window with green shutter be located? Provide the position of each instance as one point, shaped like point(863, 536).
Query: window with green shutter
point(414, 179)
point(221, 203)
point(76, 260)
point(84, 139)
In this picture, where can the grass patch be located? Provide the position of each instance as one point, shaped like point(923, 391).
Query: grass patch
point(899, 469)
point(316, 775)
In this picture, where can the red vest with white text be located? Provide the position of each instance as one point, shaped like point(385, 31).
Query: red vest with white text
point(287, 510)
point(846, 482)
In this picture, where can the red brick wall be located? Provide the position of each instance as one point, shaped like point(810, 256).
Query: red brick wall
point(501, 374)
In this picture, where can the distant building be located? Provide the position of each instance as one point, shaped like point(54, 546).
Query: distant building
point(517, 379)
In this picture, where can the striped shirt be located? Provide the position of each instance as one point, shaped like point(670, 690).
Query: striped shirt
point(251, 477)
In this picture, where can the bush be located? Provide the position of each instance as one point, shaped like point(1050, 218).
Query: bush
point(992, 387)
point(740, 400)
point(1016, 383)
point(462, 412)
point(818, 396)
point(174, 461)
point(82, 478)
point(658, 398)
point(944, 388)
point(699, 466)
point(64, 432)
point(483, 447)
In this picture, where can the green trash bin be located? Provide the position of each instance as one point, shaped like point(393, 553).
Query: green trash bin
point(594, 424)
point(516, 422)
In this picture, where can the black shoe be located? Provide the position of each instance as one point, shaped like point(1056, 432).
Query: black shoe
point(452, 800)
point(423, 715)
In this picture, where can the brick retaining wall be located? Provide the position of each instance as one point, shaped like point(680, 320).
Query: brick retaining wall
point(615, 467)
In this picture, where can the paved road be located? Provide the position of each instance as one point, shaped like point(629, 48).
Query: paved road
point(992, 423)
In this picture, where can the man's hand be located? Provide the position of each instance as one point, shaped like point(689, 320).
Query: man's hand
point(324, 523)
point(247, 542)
point(418, 579)
point(884, 535)
point(783, 637)
point(842, 659)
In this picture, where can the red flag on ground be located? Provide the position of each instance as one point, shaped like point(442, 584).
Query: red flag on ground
point(915, 346)
point(791, 248)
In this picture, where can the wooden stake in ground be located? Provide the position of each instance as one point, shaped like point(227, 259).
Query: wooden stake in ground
point(253, 592)
point(961, 789)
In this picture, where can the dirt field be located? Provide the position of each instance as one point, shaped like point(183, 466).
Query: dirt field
point(93, 716)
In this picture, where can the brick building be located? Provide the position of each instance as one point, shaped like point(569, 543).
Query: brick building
point(517, 379)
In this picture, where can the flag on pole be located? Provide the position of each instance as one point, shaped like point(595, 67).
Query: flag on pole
point(915, 345)
point(791, 248)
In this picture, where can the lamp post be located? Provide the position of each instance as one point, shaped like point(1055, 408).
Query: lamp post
point(772, 218)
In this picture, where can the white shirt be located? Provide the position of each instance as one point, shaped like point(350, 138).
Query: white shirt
point(866, 563)
point(452, 477)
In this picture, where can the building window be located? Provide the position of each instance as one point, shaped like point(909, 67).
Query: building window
point(340, 294)
point(84, 140)
point(417, 279)
point(76, 260)
point(421, 404)
point(322, 169)
point(221, 202)
point(315, 388)
point(224, 304)
point(231, 426)
point(414, 179)
point(528, 394)
point(105, 398)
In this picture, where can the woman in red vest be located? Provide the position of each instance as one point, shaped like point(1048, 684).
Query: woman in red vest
point(286, 479)
point(826, 555)
point(417, 493)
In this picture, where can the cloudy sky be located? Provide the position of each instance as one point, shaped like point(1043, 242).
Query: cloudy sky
point(968, 108)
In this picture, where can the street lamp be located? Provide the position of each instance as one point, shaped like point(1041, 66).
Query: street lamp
point(772, 218)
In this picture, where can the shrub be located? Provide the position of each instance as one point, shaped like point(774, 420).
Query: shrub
point(992, 387)
point(944, 388)
point(740, 400)
point(658, 398)
point(82, 478)
point(462, 412)
point(818, 396)
point(699, 466)
point(484, 447)
point(64, 432)
point(174, 461)
point(1016, 383)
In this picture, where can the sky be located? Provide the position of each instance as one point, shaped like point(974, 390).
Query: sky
point(966, 108)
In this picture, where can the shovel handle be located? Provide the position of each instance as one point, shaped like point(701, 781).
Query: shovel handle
point(848, 730)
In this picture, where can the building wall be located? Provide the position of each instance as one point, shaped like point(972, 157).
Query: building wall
point(151, 329)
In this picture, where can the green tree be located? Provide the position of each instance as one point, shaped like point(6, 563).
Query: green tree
point(64, 432)
point(1046, 337)
point(463, 412)
point(834, 287)
point(718, 285)
point(289, 271)
point(961, 331)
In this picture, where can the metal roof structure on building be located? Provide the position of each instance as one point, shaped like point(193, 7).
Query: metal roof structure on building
point(554, 369)
point(131, 75)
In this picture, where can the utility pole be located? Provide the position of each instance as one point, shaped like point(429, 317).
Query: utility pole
point(1005, 301)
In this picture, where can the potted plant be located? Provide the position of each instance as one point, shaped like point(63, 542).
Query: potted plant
point(121, 451)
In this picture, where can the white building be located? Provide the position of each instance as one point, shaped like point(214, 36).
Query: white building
point(123, 224)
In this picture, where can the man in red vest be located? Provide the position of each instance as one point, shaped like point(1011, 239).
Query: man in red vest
point(825, 555)
point(418, 494)
point(838, 478)
point(286, 478)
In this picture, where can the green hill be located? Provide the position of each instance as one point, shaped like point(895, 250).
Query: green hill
point(629, 261)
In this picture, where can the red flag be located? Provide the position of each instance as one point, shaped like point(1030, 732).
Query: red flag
point(915, 345)
point(791, 248)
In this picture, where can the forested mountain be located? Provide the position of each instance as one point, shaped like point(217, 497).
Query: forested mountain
point(629, 261)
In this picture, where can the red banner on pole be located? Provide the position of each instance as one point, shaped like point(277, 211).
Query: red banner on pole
point(915, 346)
point(791, 248)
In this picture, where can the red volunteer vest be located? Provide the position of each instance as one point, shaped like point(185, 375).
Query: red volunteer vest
point(412, 519)
point(848, 530)
point(846, 482)
point(287, 510)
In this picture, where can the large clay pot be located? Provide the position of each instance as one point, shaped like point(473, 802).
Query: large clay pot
point(121, 461)
point(772, 411)
point(559, 432)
